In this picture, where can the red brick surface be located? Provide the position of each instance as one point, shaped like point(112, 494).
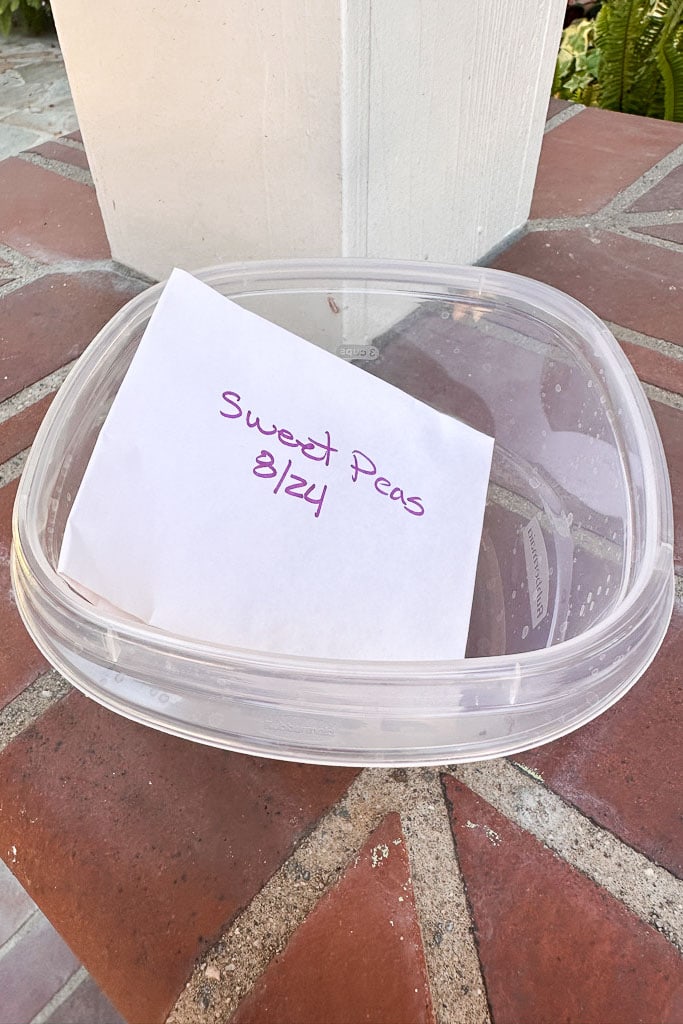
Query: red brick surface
point(653, 367)
point(358, 956)
point(667, 194)
point(670, 423)
point(49, 322)
point(592, 156)
point(20, 660)
point(47, 216)
point(18, 432)
point(669, 232)
point(143, 846)
point(625, 769)
point(553, 945)
point(633, 284)
point(32, 971)
point(556, 107)
point(65, 154)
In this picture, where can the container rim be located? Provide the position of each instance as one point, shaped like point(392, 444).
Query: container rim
point(640, 589)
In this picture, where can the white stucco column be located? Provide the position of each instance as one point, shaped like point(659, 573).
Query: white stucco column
point(223, 130)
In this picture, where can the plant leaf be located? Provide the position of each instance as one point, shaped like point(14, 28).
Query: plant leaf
point(623, 35)
point(669, 57)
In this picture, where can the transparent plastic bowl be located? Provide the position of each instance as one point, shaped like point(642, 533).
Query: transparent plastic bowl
point(575, 580)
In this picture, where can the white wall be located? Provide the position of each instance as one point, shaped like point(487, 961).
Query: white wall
point(223, 130)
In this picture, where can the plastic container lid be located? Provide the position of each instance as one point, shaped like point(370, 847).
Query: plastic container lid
point(575, 579)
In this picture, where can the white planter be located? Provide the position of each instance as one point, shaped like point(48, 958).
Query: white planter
point(222, 130)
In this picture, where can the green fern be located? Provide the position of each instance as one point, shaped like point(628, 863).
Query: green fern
point(625, 35)
point(630, 58)
point(669, 59)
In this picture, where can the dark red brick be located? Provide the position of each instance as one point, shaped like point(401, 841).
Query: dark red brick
point(669, 232)
point(86, 1005)
point(74, 136)
point(556, 107)
point(18, 431)
point(634, 284)
point(654, 367)
point(65, 154)
point(553, 945)
point(358, 956)
point(670, 423)
point(667, 194)
point(47, 216)
point(141, 847)
point(586, 161)
point(33, 971)
point(20, 660)
point(625, 769)
point(49, 322)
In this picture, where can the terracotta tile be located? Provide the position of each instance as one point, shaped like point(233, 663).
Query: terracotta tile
point(74, 136)
point(634, 284)
point(586, 161)
point(20, 660)
point(670, 423)
point(556, 107)
point(87, 1005)
point(16, 906)
point(33, 971)
point(65, 154)
point(669, 232)
point(358, 956)
point(625, 769)
point(654, 367)
point(47, 323)
point(667, 194)
point(47, 216)
point(553, 945)
point(18, 432)
point(141, 847)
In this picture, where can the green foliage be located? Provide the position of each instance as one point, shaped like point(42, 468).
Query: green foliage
point(33, 16)
point(630, 58)
point(576, 71)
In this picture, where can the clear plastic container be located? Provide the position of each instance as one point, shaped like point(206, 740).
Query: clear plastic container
point(575, 580)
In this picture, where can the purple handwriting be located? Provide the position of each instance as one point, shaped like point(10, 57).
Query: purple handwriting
point(382, 485)
point(362, 466)
point(318, 451)
point(265, 469)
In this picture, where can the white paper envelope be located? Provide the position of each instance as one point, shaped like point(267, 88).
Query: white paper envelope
point(253, 490)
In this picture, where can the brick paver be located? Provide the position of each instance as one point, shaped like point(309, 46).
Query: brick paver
point(66, 154)
point(605, 151)
point(17, 433)
point(47, 216)
point(358, 956)
point(20, 660)
point(633, 284)
point(50, 321)
point(153, 843)
point(670, 424)
point(625, 769)
point(552, 944)
point(666, 195)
